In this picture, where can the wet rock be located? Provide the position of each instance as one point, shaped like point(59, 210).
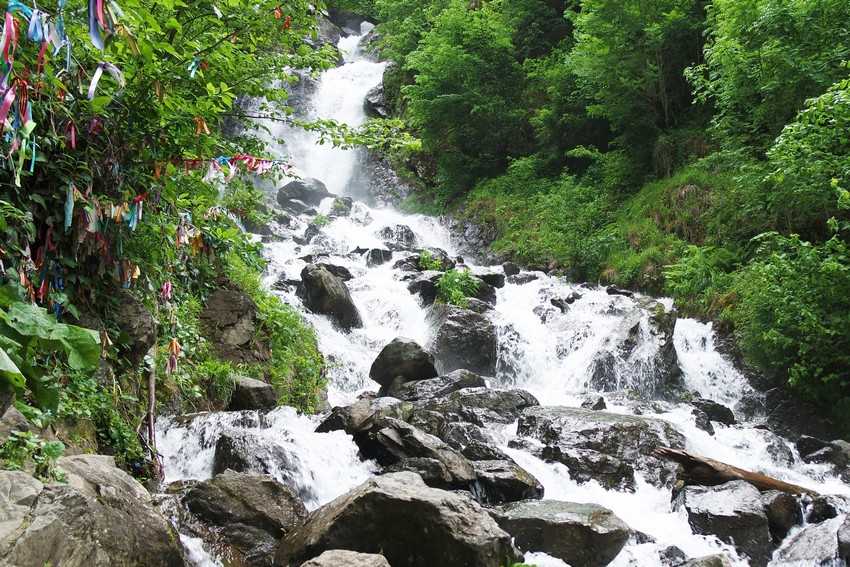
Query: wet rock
point(437, 257)
point(365, 415)
point(100, 518)
point(425, 284)
point(824, 543)
point(376, 182)
point(137, 323)
point(500, 481)
point(783, 513)
point(672, 556)
point(403, 444)
point(707, 561)
point(619, 364)
point(715, 411)
point(602, 446)
point(486, 292)
point(479, 406)
point(471, 237)
point(402, 357)
point(580, 534)
point(328, 295)
point(250, 394)
point(251, 512)
point(345, 558)
point(398, 235)
point(398, 516)
point(596, 403)
point(612, 290)
point(374, 105)
point(820, 509)
point(734, 513)
point(702, 422)
point(483, 451)
point(494, 279)
point(309, 191)
point(294, 206)
point(341, 272)
point(522, 279)
point(436, 387)
point(341, 207)
point(228, 321)
point(462, 339)
point(376, 257)
point(510, 269)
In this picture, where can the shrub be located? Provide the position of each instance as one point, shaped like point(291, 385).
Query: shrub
point(455, 286)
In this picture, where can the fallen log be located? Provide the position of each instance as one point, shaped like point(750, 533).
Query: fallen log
point(708, 472)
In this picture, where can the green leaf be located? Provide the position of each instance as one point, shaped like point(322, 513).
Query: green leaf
point(9, 371)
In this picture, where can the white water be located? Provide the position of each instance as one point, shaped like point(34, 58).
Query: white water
point(548, 352)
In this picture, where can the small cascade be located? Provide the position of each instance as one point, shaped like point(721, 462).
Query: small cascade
point(562, 342)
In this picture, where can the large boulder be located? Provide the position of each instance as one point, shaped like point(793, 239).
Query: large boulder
point(328, 295)
point(479, 405)
point(228, 321)
point(398, 236)
point(251, 394)
point(308, 190)
point(826, 543)
point(603, 446)
point(344, 558)
point(136, 323)
point(619, 363)
point(733, 512)
point(251, 512)
point(462, 339)
point(438, 387)
point(502, 480)
point(425, 284)
point(581, 534)
point(408, 523)
point(404, 447)
point(365, 416)
point(402, 357)
point(100, 518)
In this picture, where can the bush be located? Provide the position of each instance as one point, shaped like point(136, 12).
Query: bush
point(455, 286)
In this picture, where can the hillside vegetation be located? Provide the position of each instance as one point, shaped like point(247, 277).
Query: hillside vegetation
point(687, 147)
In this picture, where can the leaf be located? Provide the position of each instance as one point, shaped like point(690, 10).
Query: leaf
point(9, 371)
point(29, 320)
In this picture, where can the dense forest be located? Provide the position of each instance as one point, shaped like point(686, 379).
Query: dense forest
point(692, 148)
point(697, 149)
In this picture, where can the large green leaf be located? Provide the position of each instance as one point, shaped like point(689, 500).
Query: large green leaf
point(29, 319)
point(9, 372)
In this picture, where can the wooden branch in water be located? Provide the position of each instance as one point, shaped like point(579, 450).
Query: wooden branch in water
point(708, 472)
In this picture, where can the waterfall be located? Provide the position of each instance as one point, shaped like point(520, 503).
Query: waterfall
point(556, 339)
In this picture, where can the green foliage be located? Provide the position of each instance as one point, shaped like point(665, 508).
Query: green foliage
point(427, 262)
point(29, 452)
point(700, 278)
point(321, 221)
point(217, 380)
point(454, 287)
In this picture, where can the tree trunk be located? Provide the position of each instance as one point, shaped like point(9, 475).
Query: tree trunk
point(708, 472)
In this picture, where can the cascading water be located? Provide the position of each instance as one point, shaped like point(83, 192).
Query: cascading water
point(557, 340)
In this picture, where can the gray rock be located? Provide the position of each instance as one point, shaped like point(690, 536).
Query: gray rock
point(481, 451)
point(734, 513)
point(344, 558)
point(407, 522)
point(438, 387)
point(783, 512)
point(425, 284)
point(715, 411)
point(252, 512)
point(580, 534)
point(228, 321)
point(510, 269)
point(377, 257)
point(365, 415)
point(399, 235)
point(137, 323)
point(402, 357)
point(308, 190)
point(101, 518)
point(596, 403)
point(341, 272)
point(501, 481)
point(479, 405)
point(462, 339)
point(494, 279)
point(602, 446)
point(817, 544)
point(328, 295)
point(403, 443)
point(707, 561)
point(251, 394)
point(374, 103)
point(12, 420)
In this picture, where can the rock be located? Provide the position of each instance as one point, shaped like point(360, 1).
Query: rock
point(252, 512)
point(376, 257)
point(510, 269)
point(251, 394)
point(462, 339)
point(783, 513)
point(100, 518)
point(399, 235)
point(493, 279)
point(580, 534)
point(470, 236)
point(824, 543)
point(308, 190)
point(707, 561)
point(402, 357)
point(402, 443)
point(820, 510)
point(343, 558)
point(715, 411)
point(341, 207)
point(501, 481)
point(602, 446)
point(522, 279)
point(734, 513)
point(702, 422)
point(479, 405)
point(341, 272)
point(136, 322)
point(596, 403)
point(376, 182)
point(407, 522)
point(13, 420)
point(228, 321)
point(486, 292)
point(365, 415)
point(612, 290)
point(619, 364)
point(328, 295)
point(373, 104)
point(672, 555)
point(438, 387)
point(425, 284)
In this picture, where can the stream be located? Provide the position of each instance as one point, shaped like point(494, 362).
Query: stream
point(560, 355)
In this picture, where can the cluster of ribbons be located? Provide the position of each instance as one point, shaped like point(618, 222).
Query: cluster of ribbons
point(252, 164)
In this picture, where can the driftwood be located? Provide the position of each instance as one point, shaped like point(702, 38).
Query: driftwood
point(708, 472)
